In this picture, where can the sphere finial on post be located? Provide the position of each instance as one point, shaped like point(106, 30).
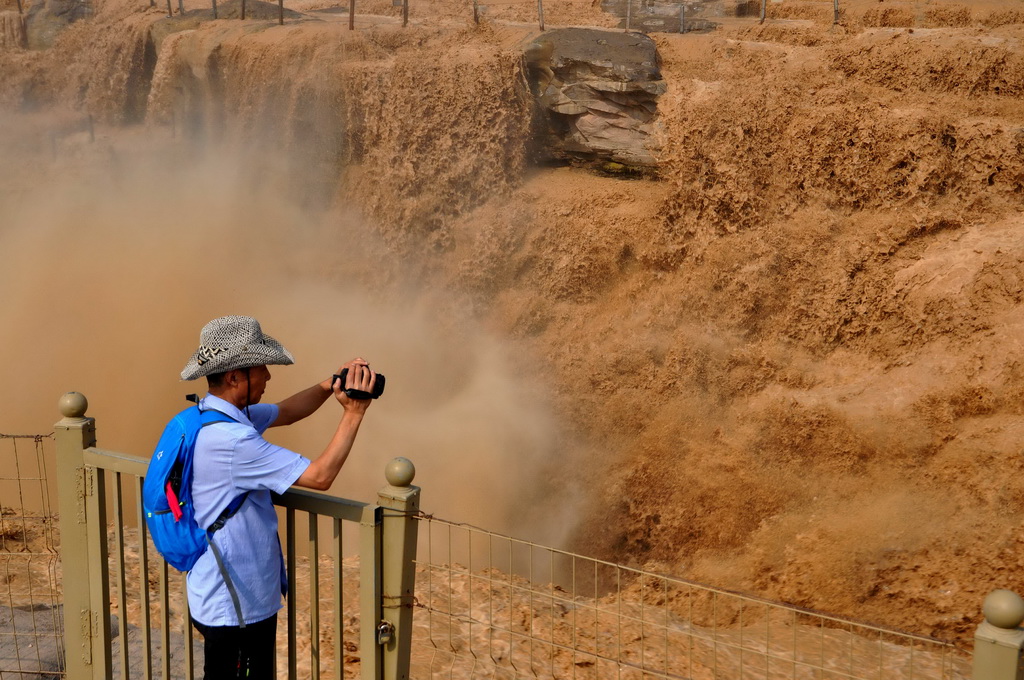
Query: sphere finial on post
point(400, 472)
point(399, 503)
point(73, 405)
point(80, 524)
point(1003, 609)
point(998, 640)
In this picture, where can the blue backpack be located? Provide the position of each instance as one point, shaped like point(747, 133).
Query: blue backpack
point(167, 491)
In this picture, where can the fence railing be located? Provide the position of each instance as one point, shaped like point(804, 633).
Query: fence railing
point(485, 605)
point(124, 612)
point(477, 5)
point(494, 606)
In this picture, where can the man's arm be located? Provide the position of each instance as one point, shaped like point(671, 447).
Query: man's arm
point(303, 404)
point(321, 473)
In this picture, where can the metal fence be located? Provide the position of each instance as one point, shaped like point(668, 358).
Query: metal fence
point(493, 606)
point(640, 15)
point(485, 605)
point(131, 616)
point(31, 639)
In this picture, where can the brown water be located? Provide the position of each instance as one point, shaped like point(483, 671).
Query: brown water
point(791, 366)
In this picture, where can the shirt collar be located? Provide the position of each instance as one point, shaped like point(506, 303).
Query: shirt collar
point(226, 407)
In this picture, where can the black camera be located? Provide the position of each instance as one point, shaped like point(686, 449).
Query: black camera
point(378, 387)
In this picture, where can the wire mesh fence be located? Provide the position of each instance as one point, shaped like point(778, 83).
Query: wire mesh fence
point(667, 16)
point(497, 607)
point(31, 621)
point(487, 605)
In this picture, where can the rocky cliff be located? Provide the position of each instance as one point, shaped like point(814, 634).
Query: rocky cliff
point(598, 94)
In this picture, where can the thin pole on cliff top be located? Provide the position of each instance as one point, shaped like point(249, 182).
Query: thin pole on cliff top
point(181, 7)
point(540, 13)
point(405, 13)
point(170, 12)
point(629, 13)
point(351, 15)
point(243, 10)
point(280, 12)
point(764, 10)
point(214, 9)
point(476, 12)
point(835, 19)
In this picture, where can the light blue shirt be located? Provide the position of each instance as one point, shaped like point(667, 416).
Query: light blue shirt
point(230, 459)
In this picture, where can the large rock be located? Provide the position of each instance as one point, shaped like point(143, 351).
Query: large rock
point(597, 91)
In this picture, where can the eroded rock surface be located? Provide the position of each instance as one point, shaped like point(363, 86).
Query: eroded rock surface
point(598, 93)
point(45, 20)
point(12, 30)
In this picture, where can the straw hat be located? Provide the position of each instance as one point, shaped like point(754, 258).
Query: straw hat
point(232, 342)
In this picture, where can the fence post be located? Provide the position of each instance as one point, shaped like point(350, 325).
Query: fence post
point(835, 16)
point(351, 14)
point(82, 623)
point(998, 641)
point(399, 501)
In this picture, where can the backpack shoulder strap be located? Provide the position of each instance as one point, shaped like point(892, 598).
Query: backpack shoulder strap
point(232, 591)
point(209, 417)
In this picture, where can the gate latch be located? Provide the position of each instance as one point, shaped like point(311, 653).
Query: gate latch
point(385, 631)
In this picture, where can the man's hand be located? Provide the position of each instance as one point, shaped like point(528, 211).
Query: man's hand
point(323, 470)
point(359, 377)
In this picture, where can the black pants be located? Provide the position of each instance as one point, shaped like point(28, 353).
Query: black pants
point(233, 652)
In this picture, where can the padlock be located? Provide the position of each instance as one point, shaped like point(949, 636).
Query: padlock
point(385, 630)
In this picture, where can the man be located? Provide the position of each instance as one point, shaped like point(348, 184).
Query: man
point(233, 459)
